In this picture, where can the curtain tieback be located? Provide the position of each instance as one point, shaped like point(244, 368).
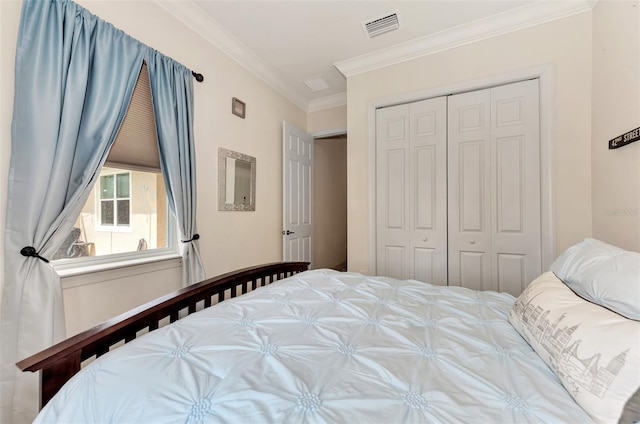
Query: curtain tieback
point(31, 251)
point(195, 237)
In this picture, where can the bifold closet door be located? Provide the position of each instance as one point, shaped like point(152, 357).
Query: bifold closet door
point(494, 188)
point(411, 199)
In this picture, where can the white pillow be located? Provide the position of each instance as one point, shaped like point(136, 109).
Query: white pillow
point(603, 274)
point(594, 352)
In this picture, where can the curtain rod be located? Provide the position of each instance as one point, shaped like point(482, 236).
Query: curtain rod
point(197, 76)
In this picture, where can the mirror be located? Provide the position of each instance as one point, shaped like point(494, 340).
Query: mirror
point(236, 181)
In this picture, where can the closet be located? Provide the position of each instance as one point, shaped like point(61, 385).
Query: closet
point(458, 189)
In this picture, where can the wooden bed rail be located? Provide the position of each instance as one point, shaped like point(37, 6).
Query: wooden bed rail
point(60, 362)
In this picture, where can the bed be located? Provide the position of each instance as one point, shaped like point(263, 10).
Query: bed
point(328, 346)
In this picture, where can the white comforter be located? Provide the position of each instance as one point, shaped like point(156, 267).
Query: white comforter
point(324, 346)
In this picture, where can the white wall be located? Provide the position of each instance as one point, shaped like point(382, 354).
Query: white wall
point(564, 45)
point(229, 240)
point(616, 110)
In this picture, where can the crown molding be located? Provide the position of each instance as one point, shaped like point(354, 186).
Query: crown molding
point(533, 14)
point(513, 20)
point(327, 102)
point(195, 18)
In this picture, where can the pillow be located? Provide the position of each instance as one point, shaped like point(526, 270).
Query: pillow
point(603, 274)
point(593, 351)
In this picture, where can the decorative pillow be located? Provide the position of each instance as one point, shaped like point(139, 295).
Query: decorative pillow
point(603, 274)
point(594, 352)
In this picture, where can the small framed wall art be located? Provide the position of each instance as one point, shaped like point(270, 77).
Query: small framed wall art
point(238, 107)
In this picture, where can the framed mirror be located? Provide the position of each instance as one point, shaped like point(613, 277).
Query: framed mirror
point(236, 181)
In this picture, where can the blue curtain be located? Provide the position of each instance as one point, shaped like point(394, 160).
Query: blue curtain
point(172, 94)
point(75, 75)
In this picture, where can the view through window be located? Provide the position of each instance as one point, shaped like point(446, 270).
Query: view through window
point(125, 212)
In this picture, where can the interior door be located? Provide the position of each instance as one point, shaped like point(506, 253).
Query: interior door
point(411, 211)
point(392, 175)
point(494, 188)
point(428, 188)
point(469, 147)
point(297, 196)
point(515, 182)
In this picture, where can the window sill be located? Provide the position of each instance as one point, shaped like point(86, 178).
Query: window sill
point(95, 273)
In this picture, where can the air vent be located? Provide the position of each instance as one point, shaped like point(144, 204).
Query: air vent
point(381, 25)
point(316, 84)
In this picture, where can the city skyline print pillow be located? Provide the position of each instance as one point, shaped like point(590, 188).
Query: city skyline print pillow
point(594, 352)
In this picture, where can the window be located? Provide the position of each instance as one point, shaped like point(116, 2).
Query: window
point(125, 213)
point(115, 201)
point(125, 216)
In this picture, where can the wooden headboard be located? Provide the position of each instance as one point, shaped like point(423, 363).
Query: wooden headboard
point(60, 362)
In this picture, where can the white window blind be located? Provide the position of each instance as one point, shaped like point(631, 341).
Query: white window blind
point(136, 144)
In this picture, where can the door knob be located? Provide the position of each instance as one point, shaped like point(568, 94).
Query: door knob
point(472, 242)
point(286, 233)
point(425, 239)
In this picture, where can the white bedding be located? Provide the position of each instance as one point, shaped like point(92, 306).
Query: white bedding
point(323, 346)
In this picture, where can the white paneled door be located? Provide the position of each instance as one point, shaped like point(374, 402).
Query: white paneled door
point(297, 219)
point(411, 196)
point(494, 188)
point(469, 154)
point(458, 189)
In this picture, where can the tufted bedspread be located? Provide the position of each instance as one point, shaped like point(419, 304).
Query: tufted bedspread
point(324, 346)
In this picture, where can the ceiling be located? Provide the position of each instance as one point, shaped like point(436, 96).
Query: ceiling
point(289, 42)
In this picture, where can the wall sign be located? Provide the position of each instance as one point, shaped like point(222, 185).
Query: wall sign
point(624, 139)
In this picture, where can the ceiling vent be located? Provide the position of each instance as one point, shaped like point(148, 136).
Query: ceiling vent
point(381, 25)
point(316, 84)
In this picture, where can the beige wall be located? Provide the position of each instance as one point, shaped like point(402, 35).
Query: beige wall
point(327, 119)
point(616, 110)
point(229, 240)
point(565, 45)
point(330, 202)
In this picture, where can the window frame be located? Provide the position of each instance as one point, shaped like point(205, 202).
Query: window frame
point(72, 266)
point(87, 264)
